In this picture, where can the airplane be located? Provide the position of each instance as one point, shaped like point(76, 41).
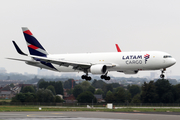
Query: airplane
point(94, 63)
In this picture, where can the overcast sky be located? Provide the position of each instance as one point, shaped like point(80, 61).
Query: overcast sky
point(78, 26)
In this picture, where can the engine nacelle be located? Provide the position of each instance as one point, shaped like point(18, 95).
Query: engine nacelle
point(98, 69)
point(130, 72)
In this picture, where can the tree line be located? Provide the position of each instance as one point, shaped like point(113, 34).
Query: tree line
point(44, 92)
point(160, 91)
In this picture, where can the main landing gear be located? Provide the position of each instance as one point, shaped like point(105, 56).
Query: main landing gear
point(162, 75)
point(86, 77)
point(105, 77)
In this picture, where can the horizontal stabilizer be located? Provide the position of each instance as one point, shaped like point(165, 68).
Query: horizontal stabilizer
point(18, 49)
point(27, 61)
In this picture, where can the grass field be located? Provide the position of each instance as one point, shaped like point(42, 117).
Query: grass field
point(49, 108)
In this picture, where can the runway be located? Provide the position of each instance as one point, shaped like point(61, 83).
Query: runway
point(87, 116)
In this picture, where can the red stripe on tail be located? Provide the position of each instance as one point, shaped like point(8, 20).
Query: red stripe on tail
point(33, 47)
point(28, 32)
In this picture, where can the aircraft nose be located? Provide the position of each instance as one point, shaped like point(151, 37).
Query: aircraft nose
point(173, 61)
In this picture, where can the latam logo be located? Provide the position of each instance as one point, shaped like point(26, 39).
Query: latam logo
point(135, 59)
point(146, 56)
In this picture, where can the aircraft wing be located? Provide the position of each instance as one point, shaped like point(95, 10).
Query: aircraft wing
point(76, 64)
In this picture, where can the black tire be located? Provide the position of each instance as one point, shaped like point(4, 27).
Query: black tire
point(162, 76)
point(83, 76)
point(88, 78)
point(102, 76)
point(107, 78)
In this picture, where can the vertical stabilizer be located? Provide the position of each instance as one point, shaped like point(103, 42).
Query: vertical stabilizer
point(117, 47)
point(35, 48)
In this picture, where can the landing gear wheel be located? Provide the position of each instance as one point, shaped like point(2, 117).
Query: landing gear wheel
point(83, 76)
point(88, 78)
point(105, 77)
point(162, 76)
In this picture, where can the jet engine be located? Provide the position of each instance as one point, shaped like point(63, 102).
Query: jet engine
point(98, 69)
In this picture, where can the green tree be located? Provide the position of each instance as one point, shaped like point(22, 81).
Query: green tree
point(50, 87)
point(41, 80)
point(115, 85)
point(58, 99)
point(86, 97)
point(69, 91)
point(91, 89)
point(59, 88)
point(164, 88)
point(177, 93)
point(99, 92)
point(136, 99)
point(45, 95)
point(98, 83)
point(43, 84)
point(110, 97)
point(85, 85)
point(30, 97)
point(134, 89)
point(19, 98)
point(28, 89)
point(67, 85)
point(149, 94)
point(167, 97)
point(77, 90)
point(128, 96)
point(107, 87)
point(120, 95)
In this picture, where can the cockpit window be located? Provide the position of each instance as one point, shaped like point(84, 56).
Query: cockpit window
point(167, 56)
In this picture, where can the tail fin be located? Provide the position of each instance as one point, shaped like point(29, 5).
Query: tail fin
point(117, 47)
point(35, 48)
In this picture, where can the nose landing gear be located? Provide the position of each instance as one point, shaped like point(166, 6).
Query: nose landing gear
point(162, 75)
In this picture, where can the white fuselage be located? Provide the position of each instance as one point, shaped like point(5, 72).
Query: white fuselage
point(121, 61)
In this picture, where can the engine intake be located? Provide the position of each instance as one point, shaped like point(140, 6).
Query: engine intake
point(98, 69)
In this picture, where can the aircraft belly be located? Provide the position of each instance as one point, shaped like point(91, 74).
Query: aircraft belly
point(65, 69)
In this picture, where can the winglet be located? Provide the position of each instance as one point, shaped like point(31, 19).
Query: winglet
point(118, 49)
point(18, 49)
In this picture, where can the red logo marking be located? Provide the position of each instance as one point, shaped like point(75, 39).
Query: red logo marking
point(33, 47)
point(28, 32)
